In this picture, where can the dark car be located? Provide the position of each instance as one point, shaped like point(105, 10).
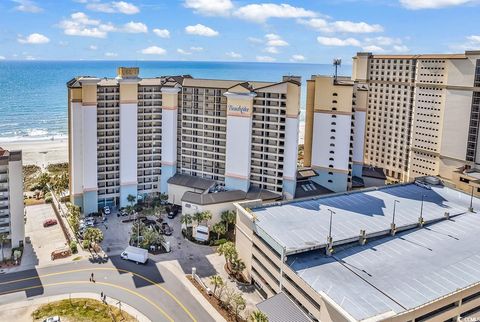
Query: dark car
point(166, 229)
point(148, 222)
point(173, 213)
point(49, 222)
point(94, 214)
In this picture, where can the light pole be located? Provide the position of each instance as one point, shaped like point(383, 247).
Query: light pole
point(329, 248)
point(393, 228)
point(471, 201)
point(420, 220)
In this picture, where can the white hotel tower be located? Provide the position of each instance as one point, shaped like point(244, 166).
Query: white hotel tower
point(128, 135)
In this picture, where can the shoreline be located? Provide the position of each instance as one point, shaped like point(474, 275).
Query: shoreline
point(40, 152)
point(43, 152)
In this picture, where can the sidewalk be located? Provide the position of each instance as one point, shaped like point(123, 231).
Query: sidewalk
point(22, 311)
point(175, 268)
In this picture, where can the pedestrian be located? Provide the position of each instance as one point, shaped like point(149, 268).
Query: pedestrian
point(105, 298)
point(92, 278)
point(101, 294)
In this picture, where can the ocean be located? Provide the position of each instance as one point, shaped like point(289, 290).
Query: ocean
point(33, 94)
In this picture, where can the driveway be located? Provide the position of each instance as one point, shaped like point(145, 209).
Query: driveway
point(115, 234)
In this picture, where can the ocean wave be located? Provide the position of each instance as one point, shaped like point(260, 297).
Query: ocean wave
point(38, 138)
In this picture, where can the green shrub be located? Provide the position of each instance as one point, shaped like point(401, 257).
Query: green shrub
point(48, 197)
point(73, 247)
point(218, 242)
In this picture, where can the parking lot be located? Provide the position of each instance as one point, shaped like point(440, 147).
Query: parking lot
point(116, 233)
point(43, 240)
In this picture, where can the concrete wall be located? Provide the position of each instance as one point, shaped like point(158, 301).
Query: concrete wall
point(215, 209)
point(176, 192)
point(15, 182)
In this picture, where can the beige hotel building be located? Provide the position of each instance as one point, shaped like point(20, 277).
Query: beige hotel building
point(129, 135)
point(421, 118)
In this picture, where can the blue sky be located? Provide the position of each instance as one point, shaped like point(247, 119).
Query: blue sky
point(311, 31)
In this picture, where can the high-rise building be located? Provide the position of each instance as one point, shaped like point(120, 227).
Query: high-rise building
point(412, 116)
point(129, 135)
point(11, 197)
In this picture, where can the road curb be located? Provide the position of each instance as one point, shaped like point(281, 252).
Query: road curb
point(47, 299)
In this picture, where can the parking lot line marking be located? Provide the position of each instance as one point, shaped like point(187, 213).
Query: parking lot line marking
point(100, 283)
point(108, 269)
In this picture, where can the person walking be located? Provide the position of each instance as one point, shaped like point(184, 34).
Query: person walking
point(101, 295)
point(92, 278)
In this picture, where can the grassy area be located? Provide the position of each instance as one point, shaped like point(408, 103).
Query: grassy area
point(82, 310)
point(30, 175)
point(58, 168)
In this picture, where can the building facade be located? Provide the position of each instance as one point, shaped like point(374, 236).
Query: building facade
point(129, 135)
point(11, 197)
point(410, 115)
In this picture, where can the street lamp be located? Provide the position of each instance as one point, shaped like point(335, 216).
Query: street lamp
point(330, 229)
point(329, 248)
point(471, 201)
point(394, 204)
point(420, 220)
point(393, 228)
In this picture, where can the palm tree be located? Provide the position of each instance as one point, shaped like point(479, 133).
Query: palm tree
point(207, 215)
point(216, 281)
point(3, 239)
point(197, 217)
point(258, 316)
point(228, 217)
point(186, 220)
point(238, 304)
point(131, 199)
point(228, 251)
point(93, 235)
point(237, 265)
point(219, 229)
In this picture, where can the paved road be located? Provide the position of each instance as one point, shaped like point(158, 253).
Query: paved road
point(157, 294)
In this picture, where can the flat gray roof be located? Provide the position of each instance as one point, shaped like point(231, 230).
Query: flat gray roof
point(280, 308)
point(393, 274)
point(301, 225)
point(191, 181)
point(229, 196)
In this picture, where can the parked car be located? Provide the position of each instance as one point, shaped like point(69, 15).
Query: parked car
point(173, 213)
point(166, 229)
point(94, 214)
point(148, 222)
point(106, 210)
point(87, 222)
point(55, 318)
point(50, 222)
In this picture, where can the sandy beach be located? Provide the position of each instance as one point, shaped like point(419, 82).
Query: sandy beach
point(46, 152)
point(40, 153)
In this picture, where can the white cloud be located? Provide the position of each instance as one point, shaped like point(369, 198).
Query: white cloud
point(255, 40)
point(162, 33)
point(135, 27)
point(201, 30)
point(262, 12)
point(266, 59)
point(114, 7)
point(373, 48)
point(233, 55)
point(81, 25)
point(274, 40)
point(401, 48)
point(341, 26)
point(210, 7)
point(475, 39)
point(333, 41)
point(93, 47)
point(2, 58)
point(193, 48)
point(432, 4)
point(27, 6)
point(271, 50)
point(183, 52)
point(297, 58)
point(34, 39)
point(111, 54)
point(153, 50)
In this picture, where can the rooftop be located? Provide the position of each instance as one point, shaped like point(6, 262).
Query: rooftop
point(307, 221)
point(391, 275)
point(229, 196)
point(280, 308)
point(191, 181)
point(373, 172)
